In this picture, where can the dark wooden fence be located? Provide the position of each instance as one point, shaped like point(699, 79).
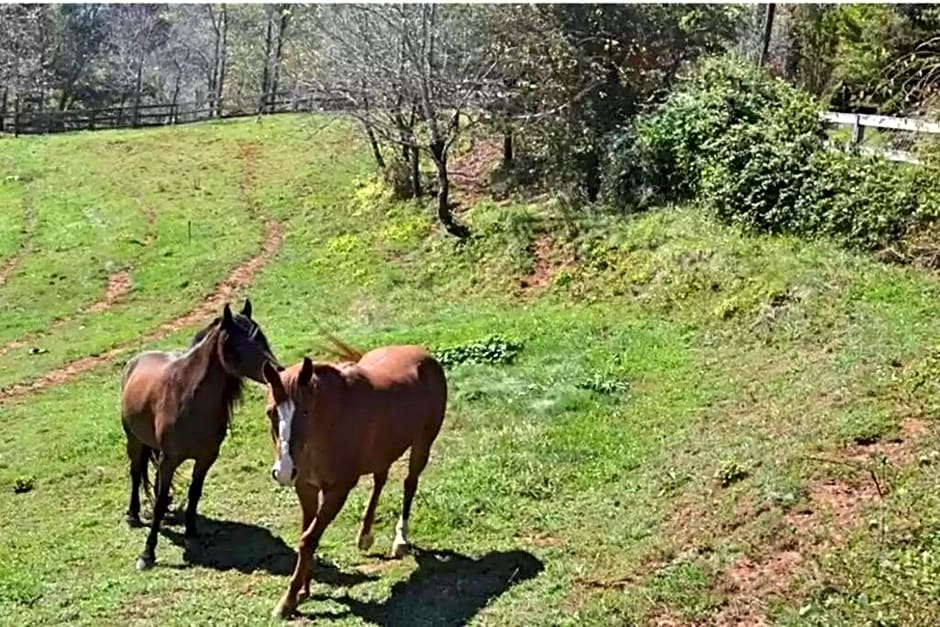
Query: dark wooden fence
point(18, 119)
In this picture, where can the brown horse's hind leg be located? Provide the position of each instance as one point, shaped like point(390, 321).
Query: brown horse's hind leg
point(165, 472)
point(365, 532)
point(138, 454)
point(331, 502)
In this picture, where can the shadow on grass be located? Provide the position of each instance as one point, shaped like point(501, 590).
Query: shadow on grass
point(229, 545)
point(447, 588)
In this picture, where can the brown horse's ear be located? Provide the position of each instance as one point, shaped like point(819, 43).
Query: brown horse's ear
point(246, 309)
point(306, 372)
point(227, 320)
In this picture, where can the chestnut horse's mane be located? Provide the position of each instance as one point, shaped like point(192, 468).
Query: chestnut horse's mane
point(341, 349)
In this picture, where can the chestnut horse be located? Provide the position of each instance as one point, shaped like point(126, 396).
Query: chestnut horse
point(333, 423)
point(177, 407)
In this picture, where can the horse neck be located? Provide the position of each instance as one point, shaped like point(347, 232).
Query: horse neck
point(206, 378)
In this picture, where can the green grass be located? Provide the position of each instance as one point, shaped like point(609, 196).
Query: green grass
point(674, 391)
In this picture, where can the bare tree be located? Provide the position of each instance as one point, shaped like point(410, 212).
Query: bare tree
point(398, 64)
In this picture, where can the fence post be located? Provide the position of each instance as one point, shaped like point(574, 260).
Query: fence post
point(3, 110)
point(16, 115)
point(858, 132)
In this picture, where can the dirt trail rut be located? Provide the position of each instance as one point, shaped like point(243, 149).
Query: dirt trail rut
point(238, 279)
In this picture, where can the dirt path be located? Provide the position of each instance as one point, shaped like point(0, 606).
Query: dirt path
point(238, 279)
point(469, 172)
point(7, 268)
point(119, 284)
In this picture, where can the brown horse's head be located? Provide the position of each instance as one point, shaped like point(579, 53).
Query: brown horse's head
point(290, 395)
point(243, 348)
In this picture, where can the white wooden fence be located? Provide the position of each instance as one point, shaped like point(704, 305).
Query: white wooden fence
point(859, 121)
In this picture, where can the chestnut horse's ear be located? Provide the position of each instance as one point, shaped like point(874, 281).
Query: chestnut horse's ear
point(246, 309)
point(306, 372)
point(227, 316)
point(270, 374)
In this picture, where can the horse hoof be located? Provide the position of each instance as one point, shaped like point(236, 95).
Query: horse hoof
point(133, 521)
point(283, 611)
point(400, 549)
point(145, 563)
point(365, 541)
point(190, 542)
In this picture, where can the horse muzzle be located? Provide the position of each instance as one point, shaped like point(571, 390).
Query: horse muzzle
point(284, 474)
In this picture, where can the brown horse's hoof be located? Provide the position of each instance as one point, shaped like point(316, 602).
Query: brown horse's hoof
point(191, 542)
point(145, 563)
point(283, 611)
point(366, 541)
point(133, 522)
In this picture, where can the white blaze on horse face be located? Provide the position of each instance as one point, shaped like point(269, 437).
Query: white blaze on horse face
point(284, 466)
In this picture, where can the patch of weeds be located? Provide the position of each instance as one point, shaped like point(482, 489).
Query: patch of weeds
point(494, 350)
point(21, 485)
point(923, 381)
point(865, 426)
point(731, 471)
point(601, 384)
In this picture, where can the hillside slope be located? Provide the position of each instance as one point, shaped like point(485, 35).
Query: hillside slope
point(700, 427)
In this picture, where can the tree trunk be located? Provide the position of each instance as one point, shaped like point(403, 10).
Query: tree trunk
point(223, 54)
point(415, 158)
point(444, 212)
point(176, 95)
point(278, 48)
point(768, 30)
point(376, 151)
point(507, 150)
point(266, 69)
point(137, 88)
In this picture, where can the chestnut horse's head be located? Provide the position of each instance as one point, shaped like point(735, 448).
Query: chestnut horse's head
point(243, 348)
point(284, 392)
point(292, 394)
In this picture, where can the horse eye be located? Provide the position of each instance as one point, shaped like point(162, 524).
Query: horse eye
point(272, 412)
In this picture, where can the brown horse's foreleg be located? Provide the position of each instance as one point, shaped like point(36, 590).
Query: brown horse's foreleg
point(309, 496)
point(138, 455)
point(417, 460)
point(200, 470)
point(365, 532)
point(165, 472)
point(331, 502)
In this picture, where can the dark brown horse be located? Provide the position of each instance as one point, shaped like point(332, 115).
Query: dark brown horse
point(331, 424)
point(176, 407)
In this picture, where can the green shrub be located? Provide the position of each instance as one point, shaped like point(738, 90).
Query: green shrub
point(750, 149)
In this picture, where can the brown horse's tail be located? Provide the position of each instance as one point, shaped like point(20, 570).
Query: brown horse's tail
point(341, 349)
point(153, 455)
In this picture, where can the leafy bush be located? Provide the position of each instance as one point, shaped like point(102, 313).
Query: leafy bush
point(493, 350)
point(750, 149)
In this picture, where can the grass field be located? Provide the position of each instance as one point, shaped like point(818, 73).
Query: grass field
point(700, 427)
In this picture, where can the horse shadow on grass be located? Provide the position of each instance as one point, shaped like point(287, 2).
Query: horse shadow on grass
point(447, 588)
point(229, 545)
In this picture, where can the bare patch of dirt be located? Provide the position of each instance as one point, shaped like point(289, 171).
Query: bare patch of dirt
point(469, 172)
point(119, 284)
point(239, 278)
point(548, 262)
point(834, 508)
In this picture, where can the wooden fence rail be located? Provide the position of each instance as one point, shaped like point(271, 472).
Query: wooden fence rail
point(17, 120)
point(859, 122)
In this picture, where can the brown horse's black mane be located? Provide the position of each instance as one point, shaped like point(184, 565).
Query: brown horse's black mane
point(341, 349)
point(203, 356)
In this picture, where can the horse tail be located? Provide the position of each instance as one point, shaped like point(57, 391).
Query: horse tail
point(342, 350)
point(152, 456)
point(128, 369)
